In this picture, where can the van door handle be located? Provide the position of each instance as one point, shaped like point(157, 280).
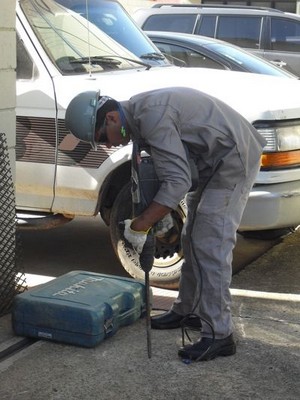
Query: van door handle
point(279, 63)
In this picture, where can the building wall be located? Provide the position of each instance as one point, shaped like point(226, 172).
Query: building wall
point(8, 76)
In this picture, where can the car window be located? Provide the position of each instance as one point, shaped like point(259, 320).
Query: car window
point(241, 31)
point(285, 35)
point(176, 23)
point(248, 61)
point(206, 26)
point(177, 54)
point(25, 66)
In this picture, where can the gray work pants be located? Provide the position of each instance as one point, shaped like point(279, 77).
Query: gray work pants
point(208, 239)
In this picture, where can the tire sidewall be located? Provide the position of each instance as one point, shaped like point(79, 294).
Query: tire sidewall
point(167, 276)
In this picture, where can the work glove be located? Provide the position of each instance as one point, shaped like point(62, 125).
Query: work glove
point(163, 226)
point(135, 238)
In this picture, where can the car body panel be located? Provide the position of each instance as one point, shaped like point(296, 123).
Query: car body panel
point(272, 206)
point(36, 113)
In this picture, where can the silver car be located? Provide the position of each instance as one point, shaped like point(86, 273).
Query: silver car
point(184, 49)
point(269, 33)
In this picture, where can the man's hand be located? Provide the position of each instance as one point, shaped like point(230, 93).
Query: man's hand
point(137, 239)
point(164, 225)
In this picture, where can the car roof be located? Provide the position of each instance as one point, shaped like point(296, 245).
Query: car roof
point(212, 9)
point(224, 6)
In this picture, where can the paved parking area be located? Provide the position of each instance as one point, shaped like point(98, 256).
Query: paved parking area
point(266, 299)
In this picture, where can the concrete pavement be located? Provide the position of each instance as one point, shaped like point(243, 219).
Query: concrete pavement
point(266, 299)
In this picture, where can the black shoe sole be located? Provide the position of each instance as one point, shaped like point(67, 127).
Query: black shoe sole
point(166, 326)
point(207, 355)
point(192, 323)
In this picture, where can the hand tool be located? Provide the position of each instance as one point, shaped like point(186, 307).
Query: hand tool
point(144, 187)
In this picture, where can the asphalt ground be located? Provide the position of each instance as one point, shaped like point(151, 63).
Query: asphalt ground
point(266, 299)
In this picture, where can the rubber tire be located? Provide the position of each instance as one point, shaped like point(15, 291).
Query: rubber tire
point(166, 269)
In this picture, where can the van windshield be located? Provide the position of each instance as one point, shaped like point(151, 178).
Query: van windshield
point(113, 19)
point(73, 43)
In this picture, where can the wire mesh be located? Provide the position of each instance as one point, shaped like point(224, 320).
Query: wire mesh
point(12, 280)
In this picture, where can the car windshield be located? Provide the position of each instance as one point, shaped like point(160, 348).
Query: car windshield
point(73, 43)
point(111, 18)
point(249, 61)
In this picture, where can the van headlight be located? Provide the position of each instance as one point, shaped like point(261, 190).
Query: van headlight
point(283, 145)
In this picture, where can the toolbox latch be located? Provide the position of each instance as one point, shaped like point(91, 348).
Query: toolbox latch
point(108, 326)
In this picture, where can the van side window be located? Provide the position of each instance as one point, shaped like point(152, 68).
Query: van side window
point(241, 31)
point(285, 35)
point(207, 25)
point(176, 23)
point(25, 68)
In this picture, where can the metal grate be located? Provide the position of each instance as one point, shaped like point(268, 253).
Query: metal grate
point(12, 281)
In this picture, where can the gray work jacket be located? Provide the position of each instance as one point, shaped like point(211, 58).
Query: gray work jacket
point(222, 143)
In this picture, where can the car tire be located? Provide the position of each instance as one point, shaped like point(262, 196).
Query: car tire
point(168, 260)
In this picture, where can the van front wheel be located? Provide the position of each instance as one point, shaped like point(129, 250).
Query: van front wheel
point(168, 260)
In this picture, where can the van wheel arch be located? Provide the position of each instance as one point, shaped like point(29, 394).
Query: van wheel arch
point(112, 185)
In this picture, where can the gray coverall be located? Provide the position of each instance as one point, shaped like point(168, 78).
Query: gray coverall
point(226, 149)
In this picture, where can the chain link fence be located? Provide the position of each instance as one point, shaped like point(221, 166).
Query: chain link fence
point(12, 280)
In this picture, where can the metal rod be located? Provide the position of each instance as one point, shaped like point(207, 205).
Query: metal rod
point(148, 314)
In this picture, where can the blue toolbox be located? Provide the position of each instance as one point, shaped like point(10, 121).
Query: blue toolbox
point(80, 308)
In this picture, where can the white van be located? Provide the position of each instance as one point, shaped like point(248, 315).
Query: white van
point(60, 53)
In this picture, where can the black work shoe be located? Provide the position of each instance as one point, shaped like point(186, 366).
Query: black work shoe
point(208, 349)
point(172, 320)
